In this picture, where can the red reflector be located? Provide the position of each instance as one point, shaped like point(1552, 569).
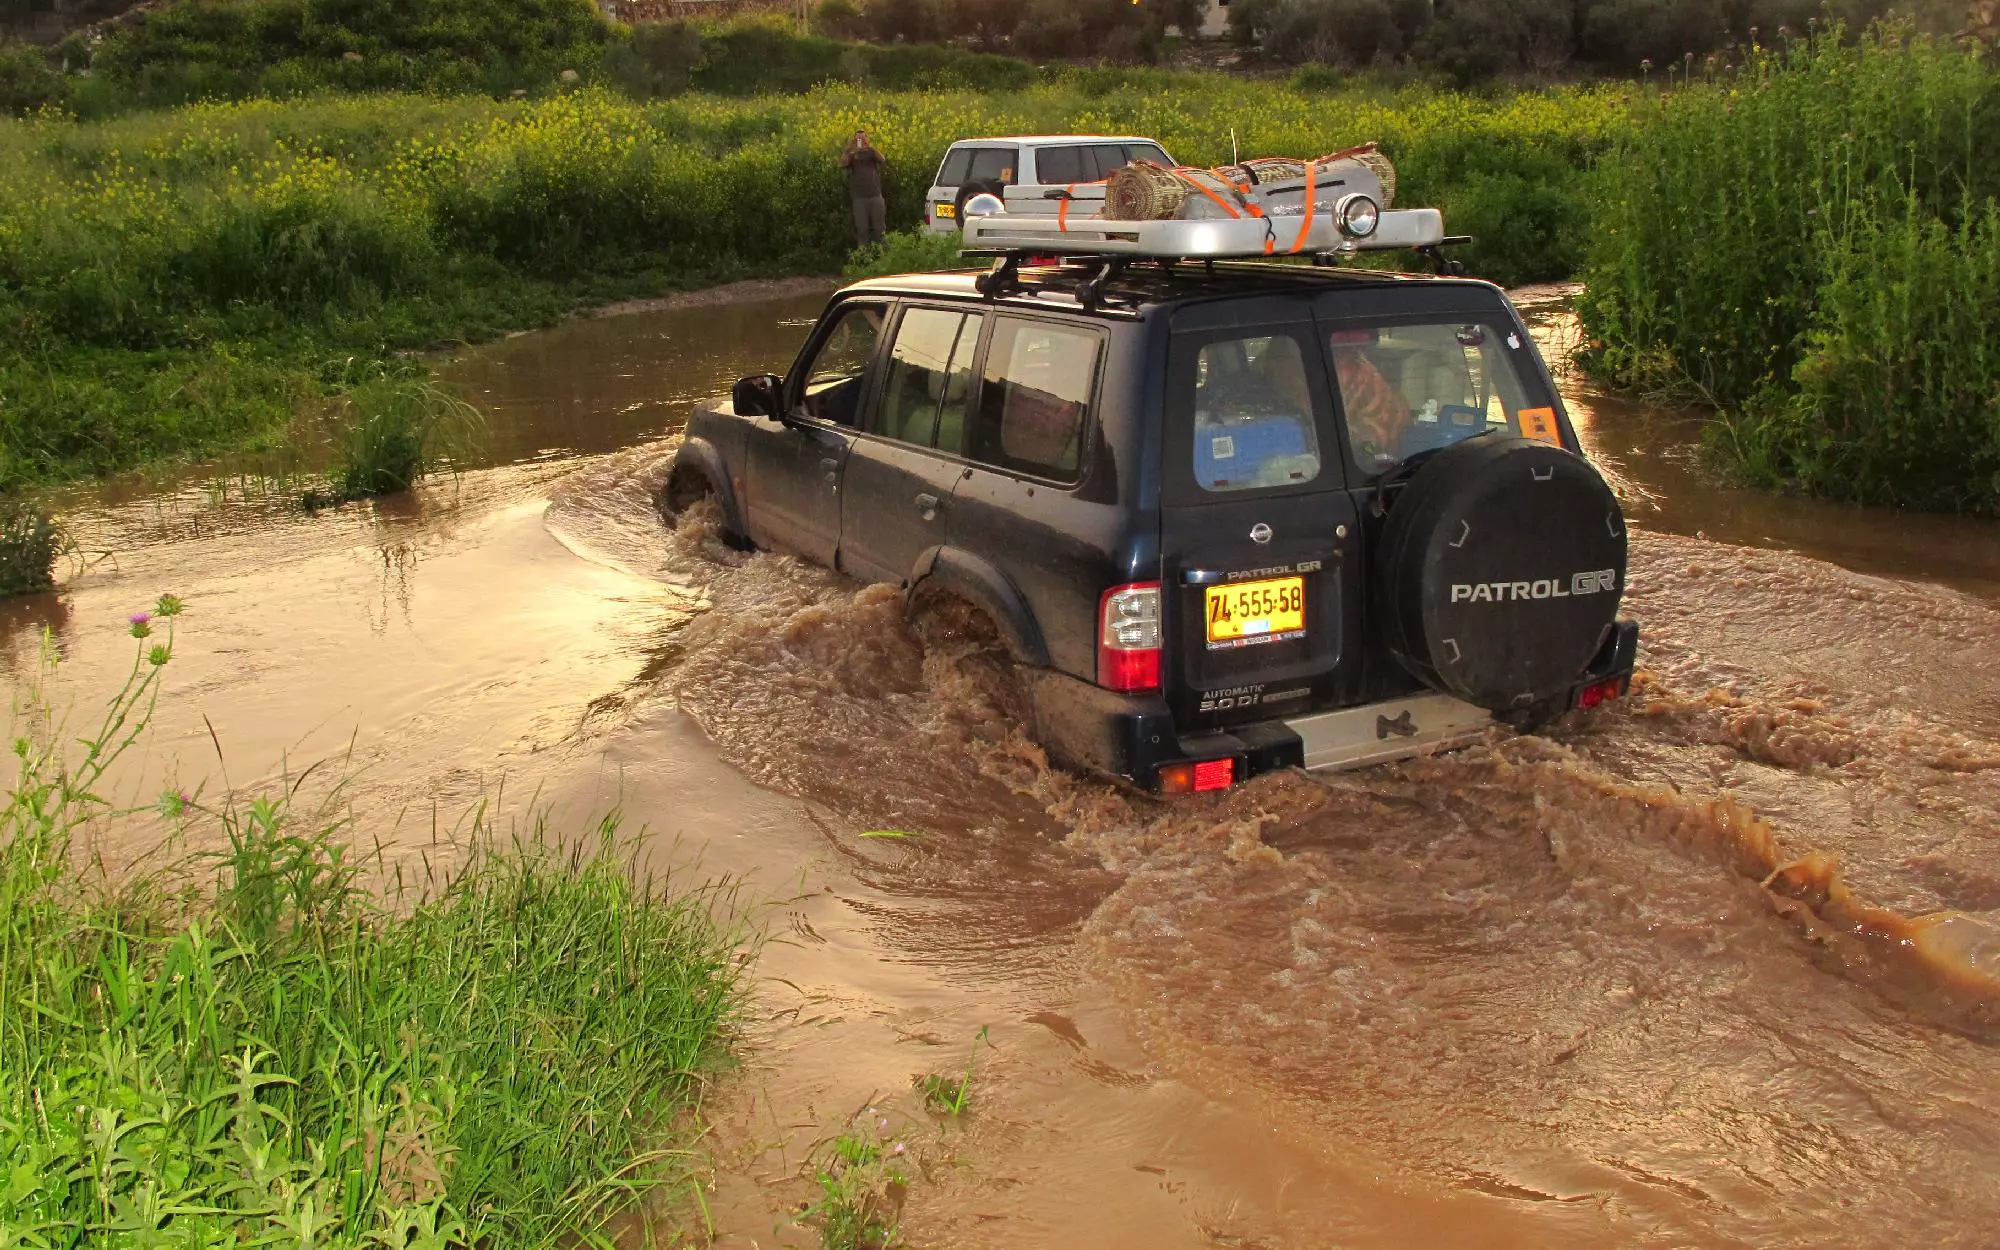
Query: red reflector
point(1601, 692)
point(1214, 775)
point(1176, 778)
point(1128, 670)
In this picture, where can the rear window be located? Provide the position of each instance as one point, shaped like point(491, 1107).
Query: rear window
point(1253, 415)
point(957, 163)
point(1410, 388)
point(1034, 403)
point(992, 165)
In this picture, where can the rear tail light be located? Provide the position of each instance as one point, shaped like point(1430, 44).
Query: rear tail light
point(1196, 778)
point(1128, 637)
point(1601, 692)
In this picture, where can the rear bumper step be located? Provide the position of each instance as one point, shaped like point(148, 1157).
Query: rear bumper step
point(1134, 736)
point(1352, 737)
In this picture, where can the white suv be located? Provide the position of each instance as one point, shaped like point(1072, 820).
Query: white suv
point(1028, 162)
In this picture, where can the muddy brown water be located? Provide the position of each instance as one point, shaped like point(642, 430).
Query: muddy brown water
point(1534, 993)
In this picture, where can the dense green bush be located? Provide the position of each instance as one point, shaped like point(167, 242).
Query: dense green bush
point(916, 250)
point(1810, 245)
point(27, 81)
point(195, 49)
point(755, 59)
point(1472, 40)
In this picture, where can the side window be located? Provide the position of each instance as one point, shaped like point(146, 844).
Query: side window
point(957, 163)
point(1063, 165)
point(919, 373)
point(839, 369)
point(992, 165)
point(1253, 415)
point(1034, 403)
point(1146, 152)
point(1105, 160)
point(1411, 388)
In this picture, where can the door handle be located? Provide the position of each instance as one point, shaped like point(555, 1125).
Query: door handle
point(830, 467)
point(927, 506)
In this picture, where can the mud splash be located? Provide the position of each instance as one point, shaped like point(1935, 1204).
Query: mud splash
point(1622, 973)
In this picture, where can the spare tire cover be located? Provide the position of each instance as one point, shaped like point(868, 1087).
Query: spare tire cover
point(1499, 571)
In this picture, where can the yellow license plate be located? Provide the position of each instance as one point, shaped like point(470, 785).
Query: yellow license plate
point(1243, 614)
point(945, 210)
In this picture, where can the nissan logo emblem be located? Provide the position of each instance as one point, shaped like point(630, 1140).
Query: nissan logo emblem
point(1260, 533)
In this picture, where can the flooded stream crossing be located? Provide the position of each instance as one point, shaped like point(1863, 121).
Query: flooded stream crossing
point(1544, 991)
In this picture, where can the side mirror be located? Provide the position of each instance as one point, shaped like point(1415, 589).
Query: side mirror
point(756, 395)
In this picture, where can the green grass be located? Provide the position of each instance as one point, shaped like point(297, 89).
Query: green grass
point(862, 1184)
point(179, 282)
point(1813, 244)
point(951, 1095)
point(252, 1049)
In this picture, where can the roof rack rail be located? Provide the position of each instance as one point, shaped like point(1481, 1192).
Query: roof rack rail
point(1337, 232)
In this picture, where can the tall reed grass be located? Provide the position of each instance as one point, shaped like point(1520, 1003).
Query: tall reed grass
point(394, 431)
point(30, 542)
point(253, 1049)
point(1811, 245)
point(182, 280)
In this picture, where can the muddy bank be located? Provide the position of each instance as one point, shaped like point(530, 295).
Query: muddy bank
point(751, 290)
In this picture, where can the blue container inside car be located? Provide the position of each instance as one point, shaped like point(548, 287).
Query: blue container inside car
point(1238, 451)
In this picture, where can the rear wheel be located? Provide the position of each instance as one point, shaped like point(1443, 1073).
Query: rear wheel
point(963, 637)
point(970, 189)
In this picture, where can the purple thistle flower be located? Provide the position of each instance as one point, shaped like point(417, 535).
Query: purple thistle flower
point(141, 618)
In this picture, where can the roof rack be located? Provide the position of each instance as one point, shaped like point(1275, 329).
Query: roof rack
point(1088, 275)
point(1197, 238)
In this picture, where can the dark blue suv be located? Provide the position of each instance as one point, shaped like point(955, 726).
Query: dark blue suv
point(1226, 517)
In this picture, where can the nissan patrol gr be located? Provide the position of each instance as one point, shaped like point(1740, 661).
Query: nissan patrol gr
point(1226, 517)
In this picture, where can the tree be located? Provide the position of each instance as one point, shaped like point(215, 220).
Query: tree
point(1185, 16)
point(990, 23)
point(1478, 39)
point(910, 21)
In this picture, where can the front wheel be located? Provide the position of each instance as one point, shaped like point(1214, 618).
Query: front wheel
point(689, 495)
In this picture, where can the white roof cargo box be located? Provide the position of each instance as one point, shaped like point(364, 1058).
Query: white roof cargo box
point(1080, 230)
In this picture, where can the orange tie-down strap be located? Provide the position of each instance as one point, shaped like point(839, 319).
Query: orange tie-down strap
point(1220, 203)
point(1306, 218)
point(1344, 153)
point(1062, 208)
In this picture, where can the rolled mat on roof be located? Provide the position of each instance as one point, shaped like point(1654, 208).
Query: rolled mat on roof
point(1270, 185)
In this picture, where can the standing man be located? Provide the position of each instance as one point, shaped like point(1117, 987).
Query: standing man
point(864, 187)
